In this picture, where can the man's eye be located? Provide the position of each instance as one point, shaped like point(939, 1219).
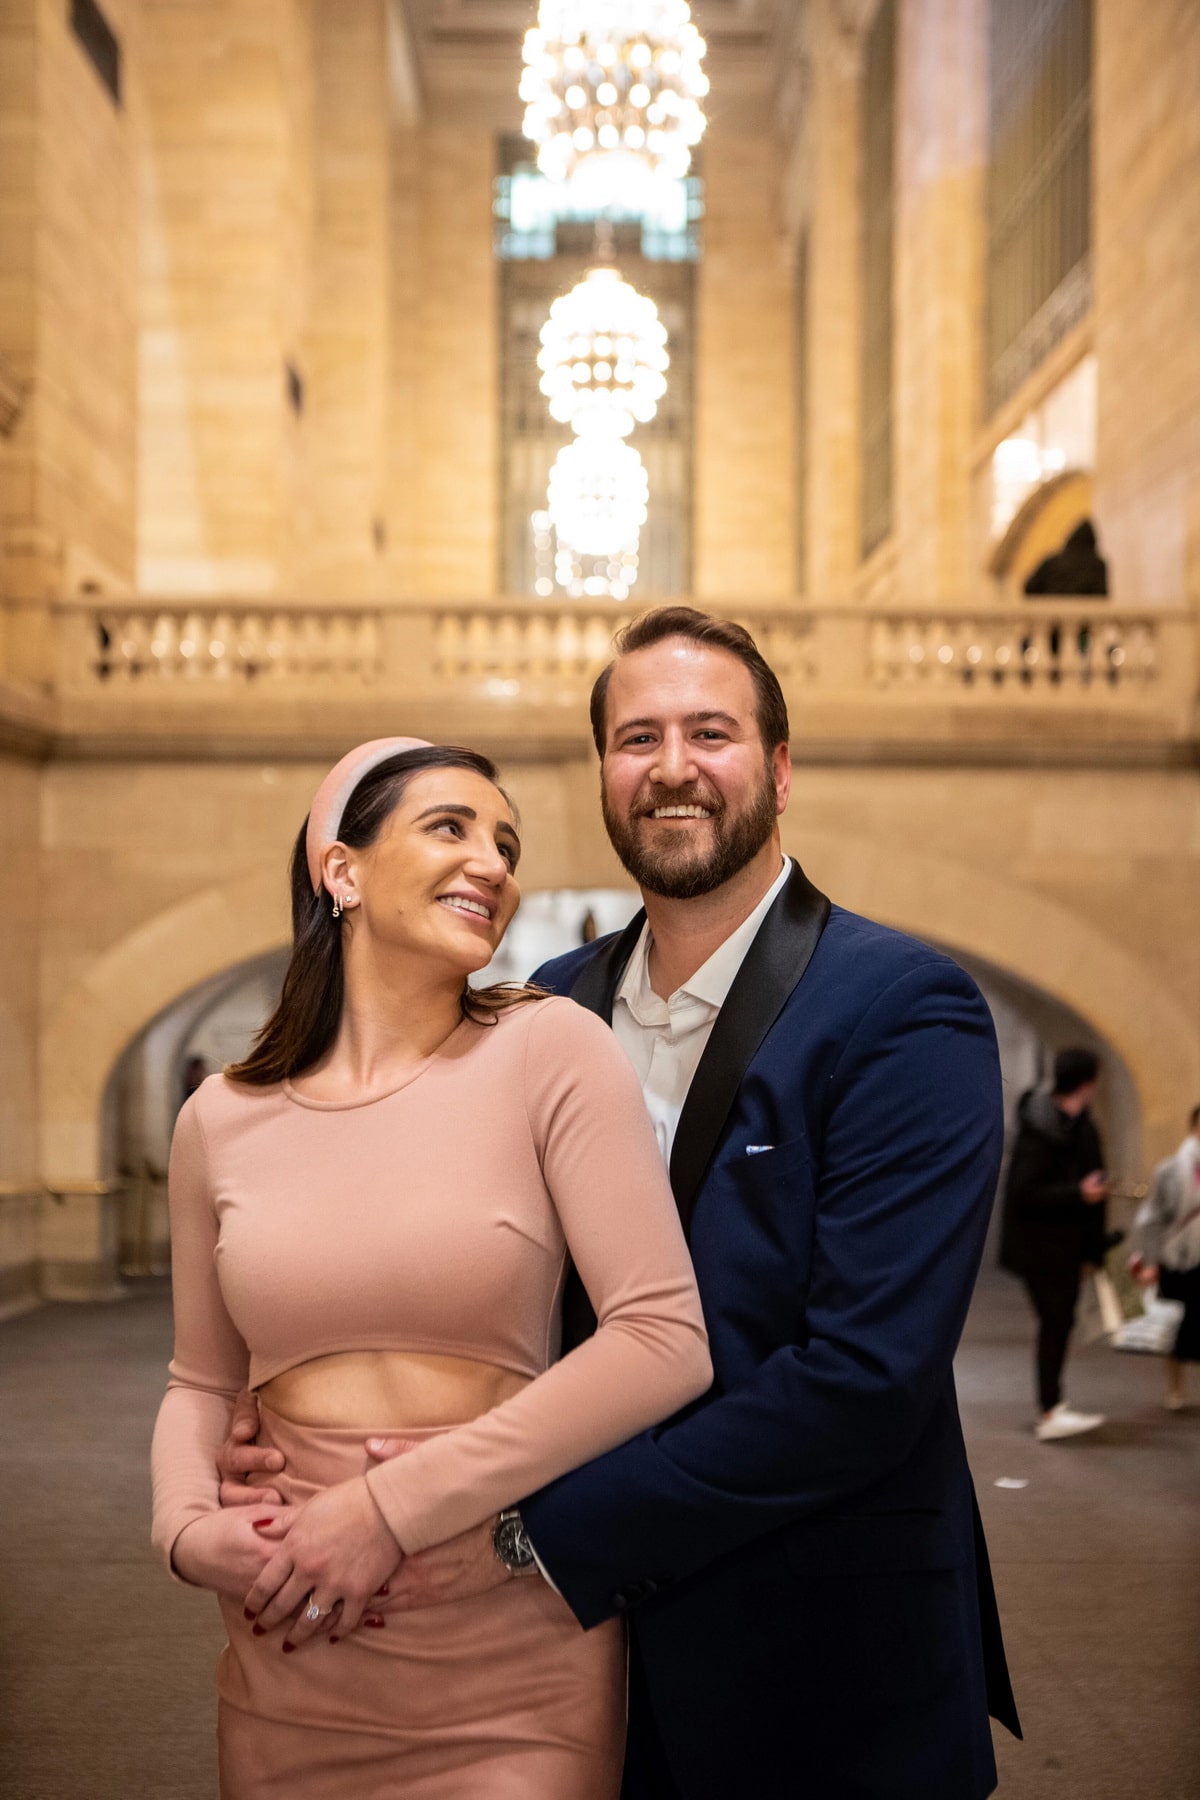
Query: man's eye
point(632, 743)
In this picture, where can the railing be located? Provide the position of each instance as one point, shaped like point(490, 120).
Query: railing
point(272, 669)
point(1081, 650)
point(144, 643)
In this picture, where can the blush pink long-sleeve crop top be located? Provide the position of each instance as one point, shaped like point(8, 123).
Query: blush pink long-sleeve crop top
point(437, 1218)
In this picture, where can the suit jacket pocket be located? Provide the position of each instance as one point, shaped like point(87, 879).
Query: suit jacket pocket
point(752, 1243)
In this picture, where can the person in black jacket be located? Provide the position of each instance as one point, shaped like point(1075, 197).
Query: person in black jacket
point(1054, 1222)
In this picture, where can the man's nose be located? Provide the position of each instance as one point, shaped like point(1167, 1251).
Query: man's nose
point(674, 765)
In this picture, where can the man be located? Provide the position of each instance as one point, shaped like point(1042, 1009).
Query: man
point(1054, 1223)
point(798, 1555)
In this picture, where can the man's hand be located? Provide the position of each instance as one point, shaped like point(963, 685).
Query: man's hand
point(459, 1569)
point(240, 1456)
point(1095, 1187)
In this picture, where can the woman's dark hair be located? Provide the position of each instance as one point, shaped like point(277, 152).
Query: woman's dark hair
point(305, 1023)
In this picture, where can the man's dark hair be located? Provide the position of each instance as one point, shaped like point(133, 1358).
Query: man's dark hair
point(1194, 1118)
point(770, 708)
point(1073, 1069)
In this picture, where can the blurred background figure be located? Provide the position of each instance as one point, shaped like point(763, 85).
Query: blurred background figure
point(1054, 1222)
point(195, 1072)
point(1166, 1248)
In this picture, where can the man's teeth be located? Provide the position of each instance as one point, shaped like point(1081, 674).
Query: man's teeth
point(461, 905)
point(681, 812)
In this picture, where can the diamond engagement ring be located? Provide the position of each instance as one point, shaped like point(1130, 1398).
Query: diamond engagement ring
point(313, 1612)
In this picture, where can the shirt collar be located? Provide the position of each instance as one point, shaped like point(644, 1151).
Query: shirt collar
point(712, 981)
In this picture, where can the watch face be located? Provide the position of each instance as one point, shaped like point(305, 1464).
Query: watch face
point(512, 1545)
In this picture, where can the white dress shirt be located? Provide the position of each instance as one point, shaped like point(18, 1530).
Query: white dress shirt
point(665, 1039)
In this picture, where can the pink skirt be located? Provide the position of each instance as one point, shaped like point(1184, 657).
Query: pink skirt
point(503, 1697)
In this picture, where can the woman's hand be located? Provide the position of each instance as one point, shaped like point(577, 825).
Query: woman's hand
point(227, 1551)
point(338, 1553)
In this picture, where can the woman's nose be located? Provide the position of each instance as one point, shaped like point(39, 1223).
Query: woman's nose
point(486, 862)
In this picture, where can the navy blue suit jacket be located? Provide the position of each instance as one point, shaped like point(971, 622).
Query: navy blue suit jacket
point(799, 1553)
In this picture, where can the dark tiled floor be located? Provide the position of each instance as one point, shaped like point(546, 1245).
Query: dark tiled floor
point(106, 1667)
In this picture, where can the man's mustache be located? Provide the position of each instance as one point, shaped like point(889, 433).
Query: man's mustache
point(692, 795)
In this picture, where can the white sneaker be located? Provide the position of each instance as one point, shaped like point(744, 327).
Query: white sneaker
point(1062, 1422)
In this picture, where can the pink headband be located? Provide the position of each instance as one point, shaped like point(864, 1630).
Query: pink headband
point(329, 803)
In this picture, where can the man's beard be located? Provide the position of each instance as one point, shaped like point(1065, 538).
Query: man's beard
point(676, 868)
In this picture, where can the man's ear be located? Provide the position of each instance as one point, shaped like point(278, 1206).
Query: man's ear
point(781, 769)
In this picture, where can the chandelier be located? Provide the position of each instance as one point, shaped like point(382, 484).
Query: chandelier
point(612, 90)
point(597, 497)
point(603, 355)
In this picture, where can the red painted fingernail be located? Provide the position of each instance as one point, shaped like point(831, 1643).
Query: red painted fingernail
point(334, 1640)
point(288, 1648)
point(258, 1631)
point(247, 1614)
point(375, 1624)
point(384, 1588)
point(259, 1523)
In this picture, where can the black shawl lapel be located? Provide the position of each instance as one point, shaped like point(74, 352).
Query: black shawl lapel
point(773, 966)
point(597, 985)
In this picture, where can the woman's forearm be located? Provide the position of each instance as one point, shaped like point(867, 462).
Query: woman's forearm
point(191, 1427)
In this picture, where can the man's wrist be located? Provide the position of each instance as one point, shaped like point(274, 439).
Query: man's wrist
point(511, 1545)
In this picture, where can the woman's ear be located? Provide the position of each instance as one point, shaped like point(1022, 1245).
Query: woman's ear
point(338, 873)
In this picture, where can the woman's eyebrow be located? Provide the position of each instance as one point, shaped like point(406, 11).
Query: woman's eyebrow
point(465, 812)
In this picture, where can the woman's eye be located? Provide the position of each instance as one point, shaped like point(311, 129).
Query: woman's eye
point(454, 825)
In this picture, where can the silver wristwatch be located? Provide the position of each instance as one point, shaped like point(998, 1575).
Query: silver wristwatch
point(510, 1541)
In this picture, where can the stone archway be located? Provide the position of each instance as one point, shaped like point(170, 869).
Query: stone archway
point(127, 987)
point(1039, 941)
point(1002, 922)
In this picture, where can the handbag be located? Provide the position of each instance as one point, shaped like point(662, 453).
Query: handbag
point(1154, 1333)
point(1101, 1314)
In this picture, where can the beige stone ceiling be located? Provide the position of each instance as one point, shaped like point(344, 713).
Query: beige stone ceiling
point(472, 47)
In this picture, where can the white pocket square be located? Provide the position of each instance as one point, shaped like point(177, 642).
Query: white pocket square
point(757, 1149)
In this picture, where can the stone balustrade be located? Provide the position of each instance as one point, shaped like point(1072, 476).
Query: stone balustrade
point(512, 670)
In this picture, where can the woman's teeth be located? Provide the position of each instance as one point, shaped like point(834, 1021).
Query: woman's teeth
point(472, 906)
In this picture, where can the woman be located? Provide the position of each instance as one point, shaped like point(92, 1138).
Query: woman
point(372, 1218)
point(1167, 1251)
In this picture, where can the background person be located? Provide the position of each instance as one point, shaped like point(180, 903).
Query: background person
point(1054, 1223)
point(1167, 1250)
point(371, 1217)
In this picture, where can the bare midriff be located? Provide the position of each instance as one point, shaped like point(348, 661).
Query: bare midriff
point(389, 1390)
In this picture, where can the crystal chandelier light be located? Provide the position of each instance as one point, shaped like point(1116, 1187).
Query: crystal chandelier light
point(612, 90)
point(603, 356)
point(597, 497)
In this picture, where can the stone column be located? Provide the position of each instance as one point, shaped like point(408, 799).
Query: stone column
point(939, 240)
point(346, 361)
point(744, 441)
point(67, 312)
point(833, 429)
point(456, 425)
point(225, 252)
point(1146, 213)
